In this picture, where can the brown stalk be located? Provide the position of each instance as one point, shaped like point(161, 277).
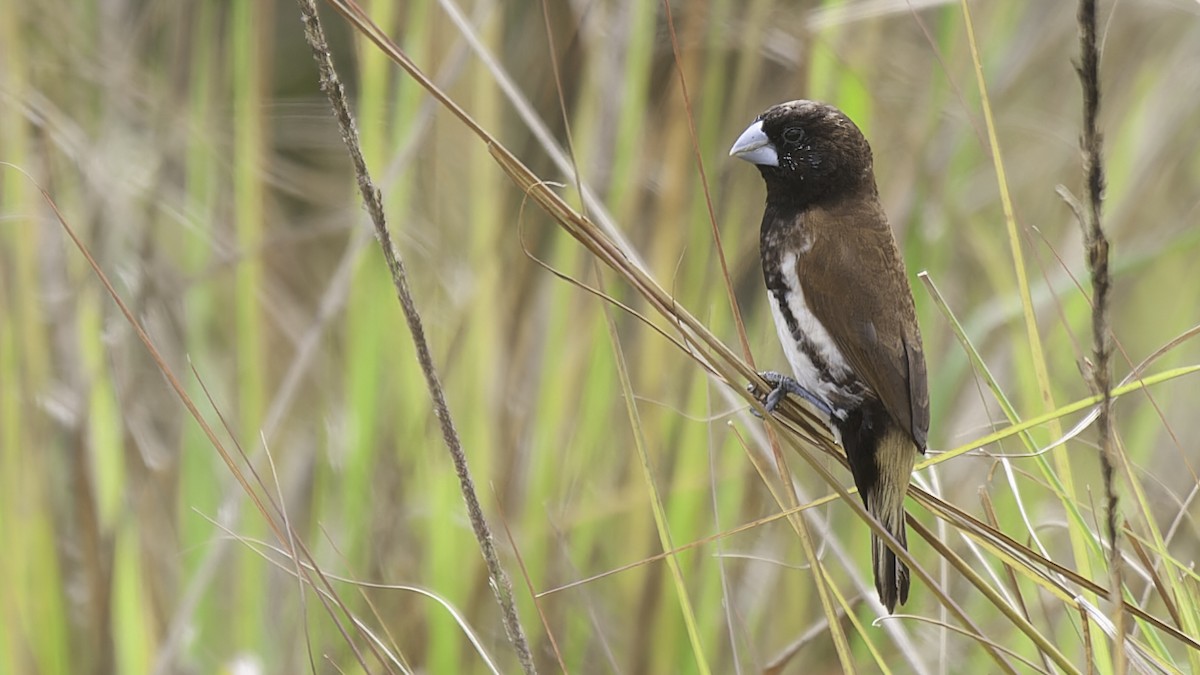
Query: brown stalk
point(1096, 252)
point(332, 86)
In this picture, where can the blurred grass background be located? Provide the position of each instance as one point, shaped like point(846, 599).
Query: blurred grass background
point(190, 146)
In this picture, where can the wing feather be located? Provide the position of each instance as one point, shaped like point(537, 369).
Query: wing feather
point(855, 284)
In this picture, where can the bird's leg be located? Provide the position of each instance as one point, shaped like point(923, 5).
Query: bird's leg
point(784, 385)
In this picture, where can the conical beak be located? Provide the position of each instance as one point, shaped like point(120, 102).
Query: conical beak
point(754, 147)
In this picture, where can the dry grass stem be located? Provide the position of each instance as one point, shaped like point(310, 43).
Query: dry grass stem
point(332, 86)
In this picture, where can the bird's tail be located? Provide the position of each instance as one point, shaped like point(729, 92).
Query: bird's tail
point(894, 457)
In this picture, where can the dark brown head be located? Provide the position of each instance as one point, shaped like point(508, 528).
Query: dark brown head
point(807, 152)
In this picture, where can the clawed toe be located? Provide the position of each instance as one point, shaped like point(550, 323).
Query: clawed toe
point(784, 385)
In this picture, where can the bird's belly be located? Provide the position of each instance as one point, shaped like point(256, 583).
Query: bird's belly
point(817, 363)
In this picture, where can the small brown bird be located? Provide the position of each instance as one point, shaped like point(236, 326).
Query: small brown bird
point(843, 308)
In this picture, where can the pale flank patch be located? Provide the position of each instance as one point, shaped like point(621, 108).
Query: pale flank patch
point(802, 366)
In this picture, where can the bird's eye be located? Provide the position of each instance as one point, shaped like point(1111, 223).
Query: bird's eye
point(793, 135)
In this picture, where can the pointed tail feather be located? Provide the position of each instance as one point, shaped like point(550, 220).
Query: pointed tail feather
point(894, 457)
point(891, 575)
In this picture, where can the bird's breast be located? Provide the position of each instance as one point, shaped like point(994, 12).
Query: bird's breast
point(816, 360)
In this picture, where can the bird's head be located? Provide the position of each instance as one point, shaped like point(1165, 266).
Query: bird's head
point(807, 152)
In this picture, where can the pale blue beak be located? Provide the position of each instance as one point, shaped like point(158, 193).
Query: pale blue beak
point(754, 147)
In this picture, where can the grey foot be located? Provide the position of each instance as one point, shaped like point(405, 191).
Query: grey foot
point(784, 385)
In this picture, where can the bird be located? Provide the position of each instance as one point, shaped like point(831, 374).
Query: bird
point(843, 308)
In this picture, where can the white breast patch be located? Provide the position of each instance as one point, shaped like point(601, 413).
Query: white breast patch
point(805, 372)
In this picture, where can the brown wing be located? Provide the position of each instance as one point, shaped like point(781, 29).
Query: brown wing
point(855, 284)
